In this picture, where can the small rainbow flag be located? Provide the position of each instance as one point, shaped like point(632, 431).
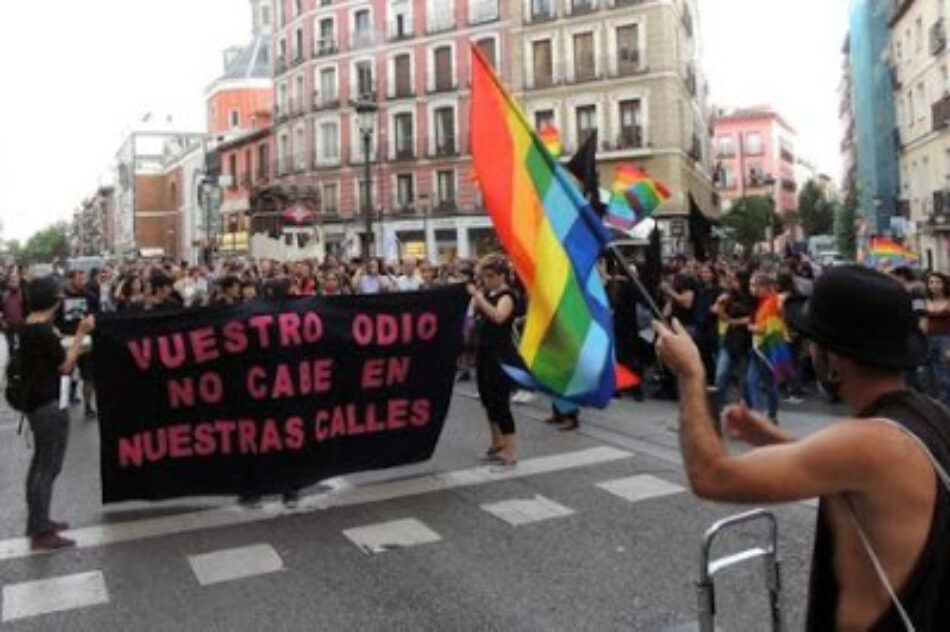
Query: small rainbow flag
point(884, 252)
point(633, 197)
point(551, 138)
point(554, 239)
point(770, 339)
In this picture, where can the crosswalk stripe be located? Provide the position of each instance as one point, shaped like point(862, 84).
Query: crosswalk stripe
point(522, 511)
point(640, 487)
point(228, 516)
point(238, 563)
point(396, 534)
point(56, 594)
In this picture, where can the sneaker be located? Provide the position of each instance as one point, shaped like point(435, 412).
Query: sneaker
point(517, 397)
point(50, 542)
point(528, 396)
point(794, 400)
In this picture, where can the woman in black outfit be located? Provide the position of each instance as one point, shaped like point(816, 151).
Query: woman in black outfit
point(495, 310)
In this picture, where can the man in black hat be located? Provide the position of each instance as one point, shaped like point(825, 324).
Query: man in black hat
point(882, 544)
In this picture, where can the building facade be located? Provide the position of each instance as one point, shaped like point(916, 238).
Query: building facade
point(626, 69)
point(876, 140)
point(755, 155)
point(920, 60)
point(92, 230)
point(849, 157)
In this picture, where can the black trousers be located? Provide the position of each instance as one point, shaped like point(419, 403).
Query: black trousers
point(494, 390)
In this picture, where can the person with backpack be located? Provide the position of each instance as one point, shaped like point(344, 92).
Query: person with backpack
point(42, 362)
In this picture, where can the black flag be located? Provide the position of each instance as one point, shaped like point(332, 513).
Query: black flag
point(584, 167)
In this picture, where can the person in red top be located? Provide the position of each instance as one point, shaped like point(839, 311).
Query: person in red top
point(13, 305)
point(937, 327)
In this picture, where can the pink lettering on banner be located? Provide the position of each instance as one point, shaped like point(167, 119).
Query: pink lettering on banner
point(172, 356)
point(270, 438)
point(261, 324)
point(179, 442)
point(421, 413)
point(181, 393)
point(141, 352)
point(235, 338)
point(380, 372)
point(322, 376)
point(247, 436)
point(289, 324)
point(428, 326)
point(293, 433)
point(155, 445)
point(312, 327)
point(130, 451)
point(255, 382)
point(387, 330)
point(283, 384)
point(320, 431)
point(204, 440)
point(397, 370)
point(353, 425)
point(397, 410)
point(373, 374)
point(204, 345)
point(210, 388)
point(363, 330)
point(226, 430)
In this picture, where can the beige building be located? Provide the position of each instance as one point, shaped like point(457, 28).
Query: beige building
point(631, 70)
point(920, 59)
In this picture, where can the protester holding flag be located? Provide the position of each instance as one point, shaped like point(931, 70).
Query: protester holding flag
point(937, 328)
point(495, 304)
point(762, 373)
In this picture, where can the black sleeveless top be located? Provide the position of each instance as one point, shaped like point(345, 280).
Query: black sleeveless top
point(926, 594)
point(494, 337)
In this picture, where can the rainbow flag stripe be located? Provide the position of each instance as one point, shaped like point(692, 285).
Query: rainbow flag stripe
point(633, 197)
point(884, 252)
point(551, 138)
point(553, 238)
point(770, 342)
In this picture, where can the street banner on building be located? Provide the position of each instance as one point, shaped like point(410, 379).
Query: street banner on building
point(270, 396)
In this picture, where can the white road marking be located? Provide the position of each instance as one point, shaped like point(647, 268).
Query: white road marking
point(230, 564)
point(341, 496)
point(385, 536)
point(640, 487)
point(518, 511)
point(30, 599)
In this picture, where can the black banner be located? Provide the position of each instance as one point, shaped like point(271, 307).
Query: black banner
point(271, 396)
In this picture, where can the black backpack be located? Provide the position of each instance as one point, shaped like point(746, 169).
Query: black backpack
point(15, 390)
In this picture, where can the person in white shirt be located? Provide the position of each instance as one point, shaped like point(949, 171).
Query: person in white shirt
point(409, 280)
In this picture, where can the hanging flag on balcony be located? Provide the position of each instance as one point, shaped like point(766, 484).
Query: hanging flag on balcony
point(299, 214)
point(551, 138)
point(633, 197)
point(554, 239)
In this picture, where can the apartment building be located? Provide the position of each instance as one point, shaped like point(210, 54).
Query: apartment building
point(920, 63)
point(626, 68)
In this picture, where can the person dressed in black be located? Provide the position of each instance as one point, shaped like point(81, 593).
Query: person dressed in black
point(163, 297)
point(495, 307)
point(78, 302)
point(44, 361)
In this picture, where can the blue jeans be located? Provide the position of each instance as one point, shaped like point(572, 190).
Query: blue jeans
point(938, 368)
point(726, 366)
point(758, 375)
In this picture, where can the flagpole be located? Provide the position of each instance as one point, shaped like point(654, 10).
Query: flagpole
point(625, 265)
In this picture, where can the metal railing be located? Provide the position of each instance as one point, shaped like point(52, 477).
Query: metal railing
point(325, 46)
point(363, 39)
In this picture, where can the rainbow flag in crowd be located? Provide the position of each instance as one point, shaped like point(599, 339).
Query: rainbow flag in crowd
point(887, 253)
point(553, 238)
point(551, 138)
point(633, 197)
point(770, 342)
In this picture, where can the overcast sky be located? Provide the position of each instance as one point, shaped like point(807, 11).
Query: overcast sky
point(77, 75)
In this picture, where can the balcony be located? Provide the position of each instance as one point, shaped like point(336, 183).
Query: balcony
point(403, 153)
point(281, 112)
point(325, 47)
point(628, 63)
point(940, 113)
point(583, 7)
point(696, 149)
point(690, 79)
point(245, 180)
point(445, 147)
point(542, 81)
point(263, 174)
point(440, 23)
point(938, 37)
point(298, 58)
point(541, 15)
point(789, 185)
point(399, 31)
point(280, 65)
point(362, 39)
point(442, 84)
point(402, 91)
point(627, 3)
point(483, 11)
point(787, 156)
point(586, 73)
point(446, 207)
point(329, 101)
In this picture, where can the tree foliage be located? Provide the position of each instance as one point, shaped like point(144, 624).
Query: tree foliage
point(815, 211)
point(749, 217)
point(52, 241)
point(846, 230)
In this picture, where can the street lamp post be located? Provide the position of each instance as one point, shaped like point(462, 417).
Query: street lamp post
point(366, 111)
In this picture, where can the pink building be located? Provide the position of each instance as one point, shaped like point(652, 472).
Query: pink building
point(755, 155)
point(411, 58)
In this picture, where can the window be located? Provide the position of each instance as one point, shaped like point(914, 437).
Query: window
point(944, 80)
point(402, 74)
point(282, 55)
point(262, 161)
point(919, 34)
point(235, 118)
point(753, 144)
point(328, 92)
point(300, 155)
point(631, 124)
point(442, 57)
point(628, 49)
point(365, 193)
point(362, 29)
point(725, 178)
point(330, 198)
point(725, 147)
point(445, 131)
point(910, 107)
point(921, 101)
point(265, 15)
point(487, 46)
point(446, 187)
point(329, 142)
point(584, 56)
point(403, 135)
point(248, 167)
point(364, 79)
point(298, 7)
point(543, 63)
point(581, 6)
point(327, 42)
point(404, 190)
point(232, 169)
point(298, 45)
point(586, 122)
point(440, 15)
point(480, 11)
point(282, 150)
point(542, 119)
point(542, 9)
point(298, 93)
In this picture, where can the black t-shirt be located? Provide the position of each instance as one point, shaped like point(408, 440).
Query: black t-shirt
point(493, 336)
point(41, 355)
point(738, 339)
point(77, 304)
point(682, 283)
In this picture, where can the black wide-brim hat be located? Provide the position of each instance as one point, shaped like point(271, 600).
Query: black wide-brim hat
point(861, 314)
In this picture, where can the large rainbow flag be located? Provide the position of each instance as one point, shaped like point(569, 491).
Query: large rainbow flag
point(884, 252)
point(633, 197)
point(770, 340)
point(553, 238)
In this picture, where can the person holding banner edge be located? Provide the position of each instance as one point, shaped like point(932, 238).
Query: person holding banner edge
point(495, 306)
point(44, 361)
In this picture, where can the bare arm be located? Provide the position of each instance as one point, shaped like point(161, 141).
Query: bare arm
point(495, 313)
